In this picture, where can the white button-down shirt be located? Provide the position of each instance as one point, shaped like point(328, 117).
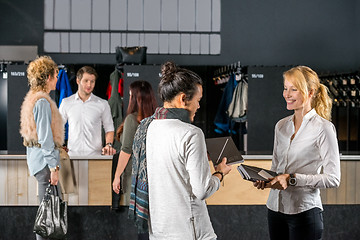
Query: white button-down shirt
point(313, 155)
point(85, 123)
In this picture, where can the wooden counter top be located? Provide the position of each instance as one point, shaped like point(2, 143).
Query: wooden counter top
point(93, 178)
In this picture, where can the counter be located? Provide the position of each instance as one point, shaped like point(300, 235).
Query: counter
point(93, 178)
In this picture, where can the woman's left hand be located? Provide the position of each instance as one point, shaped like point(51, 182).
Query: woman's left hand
point(261, 184)
point(54, 178)
point(280, 182)
point(116, 184)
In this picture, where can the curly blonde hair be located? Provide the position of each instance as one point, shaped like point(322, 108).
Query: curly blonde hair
point(38, 72)
point(305, 79)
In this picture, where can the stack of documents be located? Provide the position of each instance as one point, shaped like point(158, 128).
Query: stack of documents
point(254, 174)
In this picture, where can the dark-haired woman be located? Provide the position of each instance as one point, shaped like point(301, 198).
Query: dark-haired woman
point(178, 170)
point(142, 104)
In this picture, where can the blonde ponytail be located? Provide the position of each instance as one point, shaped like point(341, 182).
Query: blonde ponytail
point(322, 102)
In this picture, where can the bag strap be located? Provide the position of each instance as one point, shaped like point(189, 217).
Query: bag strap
point(56, 190)
point(52, 190)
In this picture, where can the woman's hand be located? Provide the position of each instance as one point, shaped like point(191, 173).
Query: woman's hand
point(261, 184)
point(280, 182)
point(54, 178)
point(222, 167)
point(116, 184)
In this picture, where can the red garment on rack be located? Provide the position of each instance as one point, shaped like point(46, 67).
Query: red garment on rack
point(120, 88)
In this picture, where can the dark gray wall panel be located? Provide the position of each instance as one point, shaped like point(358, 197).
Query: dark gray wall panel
point(115, 40)
point(187, 15)
point(322, 34)
point(266, 107)
point(135, 15)
point(48, 14)
point(100, 15)
point(75, 42)
point(95, 42)
point(105, 43)
point(143, 72)
point(216, 15)
point(81, 14)
point(205, 43)
point(152, 15)
point(169, 15)
point(185, 44)
point(17, 89)
point(62, 14)
point(123, 40)
point(132, 39)
point(163, 43)
point(195, 44)
point(203, 15)
point(52, 42)
point(118, 14)
point(174, 43)
point(151, 41)
point(215, 43)
point(85, 42)
point(64, 42)
point(141, 39)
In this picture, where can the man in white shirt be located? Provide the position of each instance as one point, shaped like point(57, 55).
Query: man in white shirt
point(86, 114)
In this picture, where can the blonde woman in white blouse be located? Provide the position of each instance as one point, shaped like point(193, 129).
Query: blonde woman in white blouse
point(306, 157)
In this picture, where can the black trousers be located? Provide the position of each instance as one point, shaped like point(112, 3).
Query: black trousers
point(307, 225)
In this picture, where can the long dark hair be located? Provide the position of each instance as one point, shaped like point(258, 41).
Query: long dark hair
point(142, 100)
point(175, 80)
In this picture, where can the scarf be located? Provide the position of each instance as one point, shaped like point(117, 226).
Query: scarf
point(139, 197)
point(27, 121)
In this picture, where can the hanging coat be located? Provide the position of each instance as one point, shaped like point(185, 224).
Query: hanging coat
point(222, 120)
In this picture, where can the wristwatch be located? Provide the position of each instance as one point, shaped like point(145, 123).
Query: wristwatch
point(54, 169)
point(110, 144)
point(292, 180)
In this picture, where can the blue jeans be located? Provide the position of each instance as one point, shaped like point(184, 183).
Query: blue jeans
point(306, 225)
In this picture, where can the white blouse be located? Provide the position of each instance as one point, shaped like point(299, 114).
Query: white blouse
point(313, 155)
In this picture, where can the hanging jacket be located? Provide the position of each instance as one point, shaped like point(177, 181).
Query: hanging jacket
point(222, 120)
point(116, 103)
point(64, 88)
point(238, 106)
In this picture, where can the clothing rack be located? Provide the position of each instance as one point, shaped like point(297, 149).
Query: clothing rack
point(230, 119)
point(4, 63)
point(61, 66)
point(221, 75)
point(344, 89)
